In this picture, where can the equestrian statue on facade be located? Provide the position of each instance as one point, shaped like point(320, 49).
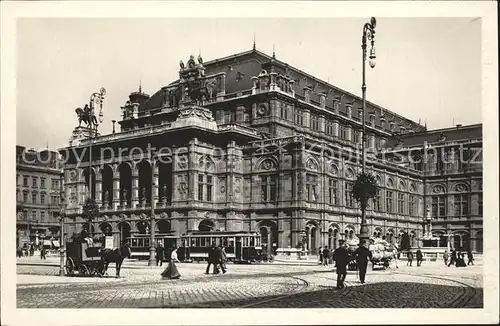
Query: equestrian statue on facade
point(86, 116)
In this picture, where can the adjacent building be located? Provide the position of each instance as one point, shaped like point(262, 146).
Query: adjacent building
point(38, 195)
point(250, 143)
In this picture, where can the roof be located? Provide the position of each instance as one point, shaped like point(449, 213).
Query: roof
point(450, 134)
point(241, 67)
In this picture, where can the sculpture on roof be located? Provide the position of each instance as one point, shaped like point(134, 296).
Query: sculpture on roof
point(200, 59)
point(191, 63)
point(86, 116)
point(181, 64)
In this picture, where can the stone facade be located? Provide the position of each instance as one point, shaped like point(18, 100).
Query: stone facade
point(245, 143)
point(38, 189)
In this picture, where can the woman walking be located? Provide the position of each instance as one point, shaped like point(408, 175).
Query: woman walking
point(171, 271)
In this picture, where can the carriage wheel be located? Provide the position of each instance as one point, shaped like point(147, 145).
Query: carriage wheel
point(83, 270)
point(70, 267)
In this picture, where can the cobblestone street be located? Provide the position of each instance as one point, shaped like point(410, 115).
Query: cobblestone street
point(276, 285)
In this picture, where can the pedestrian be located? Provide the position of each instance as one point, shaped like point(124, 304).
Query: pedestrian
point(341, 258)
point(171, 272)
point(42, 253)
point(160, 254)
point(409, 256)
point(326, 255)
point(419, 257)
point(470, 258)
point(173, 256)
point(453, 257)
point(223, 259)
point(211, 258)
point(445, 257)
point(362, 255)
point(320, 253)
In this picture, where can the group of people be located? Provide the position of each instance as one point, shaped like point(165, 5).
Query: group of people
point(419, 257)
point(325, 256)
point(29, 250)
point(457, 258)
point(342, 258)
point(216, 257)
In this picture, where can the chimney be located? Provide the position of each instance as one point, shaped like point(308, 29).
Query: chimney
point(459, 125)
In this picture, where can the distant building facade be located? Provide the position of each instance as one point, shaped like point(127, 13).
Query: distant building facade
point(38, 190)
point(247, 143)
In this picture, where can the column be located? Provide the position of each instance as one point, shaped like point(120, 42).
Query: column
point(335, 128)
point(135, 187)
point(322, 100)
point(116, 186)
point(322, 123)
point(98, 187)
point(348, 132)
point(192, 173)
point(307, 94)
point(307, 118)
point(155, 185)
point(349, 110)
point(371, 141)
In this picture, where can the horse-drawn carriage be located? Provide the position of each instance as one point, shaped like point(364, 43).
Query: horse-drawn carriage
point(83, 256)
point(88, 256)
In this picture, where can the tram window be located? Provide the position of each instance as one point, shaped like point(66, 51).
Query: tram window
point(134, 243)
point(231, 242)
point(146, 243)
point(197, 242)
point(252, 241)
point(193, 243)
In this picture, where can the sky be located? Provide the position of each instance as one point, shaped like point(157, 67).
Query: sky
point(427, 68)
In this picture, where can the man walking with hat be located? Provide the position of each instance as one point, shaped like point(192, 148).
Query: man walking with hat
point(362, 256)
point(341, 258)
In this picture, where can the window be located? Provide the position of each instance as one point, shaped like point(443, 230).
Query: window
point(18, 179)
point(42, 183)
point(480, 204)
point(439, 206)
point(357, 136)
point(461, 205)
point(35, 182)
point(329, 127)
point(42, 216)
point(42, 198)
point(349, 200)
point(388, 201)
point(401, 203)
point(33, 215)
point(311, 184)
point(34, 197)
point(299, 117)
point(205, 182)
point(342, 132)
point(376, 202)
point(268, 188)
point(411, 206)
point(55, 184)
point(25, 181)
point(25, 197)
point(332, 191)
point(284, 112)
point(314, 122)
point(209, 188)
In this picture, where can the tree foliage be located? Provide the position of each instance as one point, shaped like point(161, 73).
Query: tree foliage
point(365, 188)
point(90, 209)
point(405, 242)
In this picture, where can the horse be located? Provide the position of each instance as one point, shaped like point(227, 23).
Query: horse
point(85, 116)
point(115, 256)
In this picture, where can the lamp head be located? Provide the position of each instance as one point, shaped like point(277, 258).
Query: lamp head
point(101, 117)
point(372, 62)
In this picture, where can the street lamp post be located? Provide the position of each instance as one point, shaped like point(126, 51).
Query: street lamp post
point(95, 99)
point(368, 35)
point(152, 248)
point(61, 243)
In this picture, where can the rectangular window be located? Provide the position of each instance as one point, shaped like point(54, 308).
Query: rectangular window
point(42, 216)
point(42, 183)
point(33, 215)
point(461, 205)
point(35, 182)
point(389, 201)
point(25, 197)
point(311, 184)
point(480, 205)
point(209, 188)
point(411, 206)
point(376, 202)
point(200, 187)
point(33, 198)
point(18, 180)
point(439, 206)
point(349, 200)
point(401, 203)
point(25, 181)
point(332, 191)
point(299, 117)
point(42, 198)
point(284, 112)
point(268, 188)
point(314, 121)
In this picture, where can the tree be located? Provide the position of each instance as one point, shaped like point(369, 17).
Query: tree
point(365, 188)
point(90, 210)
point(405, 242)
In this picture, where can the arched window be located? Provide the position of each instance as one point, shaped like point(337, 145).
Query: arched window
point(206, 225)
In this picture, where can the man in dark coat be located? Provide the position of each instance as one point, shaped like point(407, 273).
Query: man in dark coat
point(326, 256)
point(409, 256)
point(362, 255)
point(341, 259)
point(470, 258)
point(212, 259)
point(160, 254)
point(419, 257)
point(453, 257)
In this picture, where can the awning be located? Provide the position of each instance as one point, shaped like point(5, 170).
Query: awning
point(55, 243)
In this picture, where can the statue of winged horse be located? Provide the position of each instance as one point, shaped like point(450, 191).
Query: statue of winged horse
point(86, 116)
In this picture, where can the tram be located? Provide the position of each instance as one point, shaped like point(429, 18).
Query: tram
point(240, 247)
point(140, 245)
